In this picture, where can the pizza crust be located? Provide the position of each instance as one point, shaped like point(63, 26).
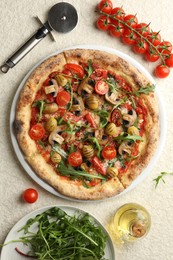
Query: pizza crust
point(45, 171)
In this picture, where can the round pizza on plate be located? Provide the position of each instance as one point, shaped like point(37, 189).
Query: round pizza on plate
point(87, 123)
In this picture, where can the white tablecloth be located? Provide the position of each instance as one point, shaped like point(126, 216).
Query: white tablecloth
point(17, 24)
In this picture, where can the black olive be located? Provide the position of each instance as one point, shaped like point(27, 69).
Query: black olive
point(130, 112)
point(77, 113)
point(91, 82)
point(60, 132)
point(75, 101)
point(84, 93)
point(130, 142)
point(78, 168)
point(91, 134)
point(53, 94)
point(104, 137)
point(125, 122)
point(50, 82)
point(88, 163)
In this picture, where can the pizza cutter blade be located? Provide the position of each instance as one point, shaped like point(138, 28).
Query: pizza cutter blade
point(62, 17)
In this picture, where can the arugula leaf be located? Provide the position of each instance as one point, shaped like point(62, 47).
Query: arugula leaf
point(112, 84)
point(95, 141)
point(89, 70)
point(149, 88)
point(128, 137)
point(70, 171)
point(160, 177)
point(40, 105)
point(104, 115)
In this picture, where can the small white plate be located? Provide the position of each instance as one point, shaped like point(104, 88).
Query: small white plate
point(162, 118)
point(9, 252)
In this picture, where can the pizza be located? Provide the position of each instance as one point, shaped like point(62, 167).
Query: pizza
point(87, 123)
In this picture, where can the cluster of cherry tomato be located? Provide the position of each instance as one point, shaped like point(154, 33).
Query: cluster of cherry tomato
point(138, 35)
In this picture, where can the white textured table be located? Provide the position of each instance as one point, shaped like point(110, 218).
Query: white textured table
point(17, 25)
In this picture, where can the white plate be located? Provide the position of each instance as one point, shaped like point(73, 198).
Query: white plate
point(9, 252)
point(162, 119)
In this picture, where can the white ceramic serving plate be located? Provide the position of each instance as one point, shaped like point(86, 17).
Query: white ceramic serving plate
point(9, 252)
point(162, 118)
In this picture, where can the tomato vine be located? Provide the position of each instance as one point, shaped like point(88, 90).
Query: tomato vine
point(138, 35)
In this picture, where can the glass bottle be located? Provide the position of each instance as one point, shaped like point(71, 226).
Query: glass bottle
point(131, 222)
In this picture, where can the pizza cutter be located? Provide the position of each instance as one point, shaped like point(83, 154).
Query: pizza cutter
point(62, 17)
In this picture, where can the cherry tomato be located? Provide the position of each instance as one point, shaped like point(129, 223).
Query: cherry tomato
point(152, 57)
point(76, 69)
point(109, 152)
point(162, 71)
point(165, 47)
point(90, 120)
point(30, 195)
point(118, 12)
point(154, 38)
point(131, 20)
point(103, 23)
point(105, 6)
point(169, 60)
point(143, 29)
point(99, 74)
point(140, 46)
point(36, 132)
point(117, 29)
point(66, 72)
point(129, 37)
point(98, 165)
point(75, 159)
point(101, 87)
point(116, 117)
point(63, 98)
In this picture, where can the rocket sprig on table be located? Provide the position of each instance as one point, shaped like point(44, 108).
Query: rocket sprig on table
point(138, 36)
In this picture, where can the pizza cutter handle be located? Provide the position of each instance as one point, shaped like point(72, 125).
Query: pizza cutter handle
point(22, 51)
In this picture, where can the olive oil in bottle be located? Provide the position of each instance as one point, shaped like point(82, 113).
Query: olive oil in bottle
point(131, 222)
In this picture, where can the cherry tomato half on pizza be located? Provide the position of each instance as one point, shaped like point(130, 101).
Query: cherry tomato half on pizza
point(63, 98)
point(75, 69)
point(109, 152)
point(75, 159)
point(37, 132)
point(101, 87)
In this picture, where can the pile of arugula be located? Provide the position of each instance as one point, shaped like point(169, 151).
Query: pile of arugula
point(61, 236)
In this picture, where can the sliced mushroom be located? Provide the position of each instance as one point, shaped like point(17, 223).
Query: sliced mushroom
point(129, 118)
point(52, 89)
point(85, 86)
point(102, 139)
point(78, 104)
point(55, 137)
point(125, 149)
point(112, 98)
